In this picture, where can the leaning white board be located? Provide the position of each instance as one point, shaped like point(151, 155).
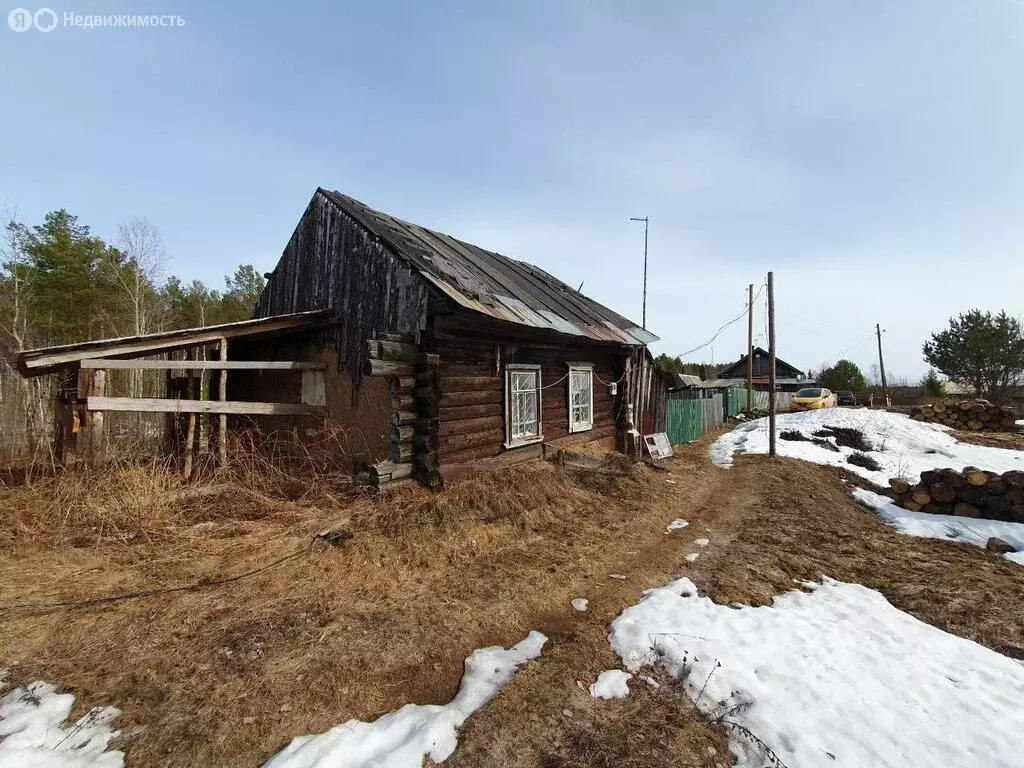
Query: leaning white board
point(658, 445)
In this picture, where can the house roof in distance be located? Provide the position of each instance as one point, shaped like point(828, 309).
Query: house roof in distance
point(493, 284)
point(761, 366)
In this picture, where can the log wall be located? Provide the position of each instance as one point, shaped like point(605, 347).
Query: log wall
point(471, 415)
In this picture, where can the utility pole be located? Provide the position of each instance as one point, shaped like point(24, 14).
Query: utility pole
point(643, 319)
point(750, 347)
point(771, 369)
point(881, 365)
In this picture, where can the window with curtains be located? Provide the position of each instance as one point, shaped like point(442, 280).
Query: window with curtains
point(522, 405)
point(581, 397)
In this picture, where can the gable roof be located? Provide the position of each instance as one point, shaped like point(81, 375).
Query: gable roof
point(739, 368)
point(492, 284)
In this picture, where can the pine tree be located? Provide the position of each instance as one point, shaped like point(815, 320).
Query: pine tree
point(982, 350)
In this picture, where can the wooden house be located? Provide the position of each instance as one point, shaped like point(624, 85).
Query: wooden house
point(787, 378)
point(442, 354)
point(428, 355)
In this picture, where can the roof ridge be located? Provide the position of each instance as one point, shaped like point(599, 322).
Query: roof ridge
point(469, 274)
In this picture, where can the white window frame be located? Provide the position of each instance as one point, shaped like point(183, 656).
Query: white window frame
point(515, 442)
point(580, 368)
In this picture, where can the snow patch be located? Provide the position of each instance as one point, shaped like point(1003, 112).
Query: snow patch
point(676, 525)
point(702, 542)
point(902, 447)
point(971, 530)
point(33, 733)
point(692, 557)
point(611, 684)
point(580, 603)
point(836, 676)
point(401, 739)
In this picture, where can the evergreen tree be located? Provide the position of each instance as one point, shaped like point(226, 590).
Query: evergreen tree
point(668, 364)
point(68, 300)
point(242, 291)
point(933, 386)
point(982, 350)
point(843, 376)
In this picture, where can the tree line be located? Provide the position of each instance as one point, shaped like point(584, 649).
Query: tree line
point(61, 284)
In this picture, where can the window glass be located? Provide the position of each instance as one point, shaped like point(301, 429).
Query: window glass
point(524, 404)
point(581, 399)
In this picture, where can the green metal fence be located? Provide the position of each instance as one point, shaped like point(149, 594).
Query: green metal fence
point(735, 401)
point(683, 421)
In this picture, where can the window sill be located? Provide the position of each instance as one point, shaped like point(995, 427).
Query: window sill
point(510, 445)
point(577, 430)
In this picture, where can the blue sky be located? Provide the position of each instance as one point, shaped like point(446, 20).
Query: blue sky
point(870, 153)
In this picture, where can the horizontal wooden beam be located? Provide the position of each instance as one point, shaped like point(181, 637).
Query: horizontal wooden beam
point(168, 405)
point(202, 365)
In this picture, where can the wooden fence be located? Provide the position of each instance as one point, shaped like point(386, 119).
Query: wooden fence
point(693, 413)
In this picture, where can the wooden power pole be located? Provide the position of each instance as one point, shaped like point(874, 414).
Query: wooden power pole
point(771, 364)
point(750, 347)
point(881, 366)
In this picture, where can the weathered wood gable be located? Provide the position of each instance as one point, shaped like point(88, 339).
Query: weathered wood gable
point(333, 263)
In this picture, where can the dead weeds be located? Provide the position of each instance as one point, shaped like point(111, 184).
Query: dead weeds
point(226, 676)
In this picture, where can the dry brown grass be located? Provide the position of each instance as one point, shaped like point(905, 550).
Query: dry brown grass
point(225, 676)
point(1011, 440)
point(806, 526)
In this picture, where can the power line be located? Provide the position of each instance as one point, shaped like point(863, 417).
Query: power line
point(722, 328)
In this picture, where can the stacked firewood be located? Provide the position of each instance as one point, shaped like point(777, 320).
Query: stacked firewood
point(971, 492)
point(973, 415)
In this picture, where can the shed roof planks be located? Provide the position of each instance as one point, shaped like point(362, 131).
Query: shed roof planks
point(34, 362)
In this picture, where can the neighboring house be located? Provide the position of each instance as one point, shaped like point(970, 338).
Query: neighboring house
point(787, 378)
point(419, 354)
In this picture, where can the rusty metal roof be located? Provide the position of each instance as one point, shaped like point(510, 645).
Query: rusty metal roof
point(492, 284)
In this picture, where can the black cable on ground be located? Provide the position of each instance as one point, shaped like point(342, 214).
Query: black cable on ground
point(204, 584)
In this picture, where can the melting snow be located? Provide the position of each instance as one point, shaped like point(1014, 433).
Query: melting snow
point(401, 739)
point(702, 542)
point(580, 603)
point(969, 530)
point(833, 677)
point(33, 733)
point(902, 447)
point(676, 525)
point(692, 557)
point(611, 684)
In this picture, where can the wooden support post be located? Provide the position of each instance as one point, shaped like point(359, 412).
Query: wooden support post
point(222, 438)
point(881, 366)
point(771, 363)
point(98, 389)
point(190, 437)
point(750, 347)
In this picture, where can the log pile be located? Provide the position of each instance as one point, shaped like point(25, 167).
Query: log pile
point(971, 415)
point(971, 492)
